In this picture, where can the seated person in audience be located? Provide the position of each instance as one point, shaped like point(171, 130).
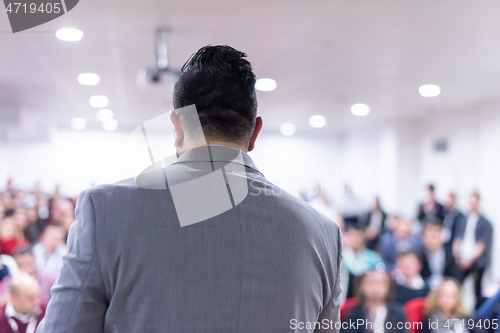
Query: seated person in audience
point(409, 282)
point(437, 260)
point(4, 272)
point(34, 226)
point(10, 236)
point(374, 292)
point(397, 241)
point(8, 266)
point(26, 262)
point(374, 222)
point(472, 246)
point(450, 220)
point(50, 251)
point(490, 310)
point(445, 312)
point(358, 260)
point(430, 207)
point(23, 311)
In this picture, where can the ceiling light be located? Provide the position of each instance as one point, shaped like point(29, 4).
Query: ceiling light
point(360, 109)
point(110, 125)
point(287, 129)
point(317, 121)
point(104, 115)
point(265, 84)
point(99, 101)
point(78, 124)
point(429, 90)
point(88, 79)
point(69, 34)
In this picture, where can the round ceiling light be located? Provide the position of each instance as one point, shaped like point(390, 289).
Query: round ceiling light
point(429, 90)
point(99, 101)
point(69, 34)
point(110, 125)
point(360, 109)
point(317, 121)
point(78, 123)
point(88, 79)
point(288, 129)
point(265, 84)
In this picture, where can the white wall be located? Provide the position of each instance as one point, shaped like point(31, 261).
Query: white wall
point(75, 160)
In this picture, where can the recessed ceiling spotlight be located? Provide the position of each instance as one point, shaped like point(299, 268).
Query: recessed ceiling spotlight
point(360, 110)
point(78, 123)
point(317, 121)
point(69, 34)
point(104, 115)
point(288, 129)
point(110, 125)
point(99, 101)
point(429, 90)
point(265, 84)
point(88, 79)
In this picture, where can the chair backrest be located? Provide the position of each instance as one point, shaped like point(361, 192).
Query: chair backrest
point(348, 303)
point(414, 311)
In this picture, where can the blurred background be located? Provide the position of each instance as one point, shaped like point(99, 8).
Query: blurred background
point(366, 99)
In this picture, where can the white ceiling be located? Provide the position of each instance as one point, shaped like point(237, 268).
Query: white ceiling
point(324, 54)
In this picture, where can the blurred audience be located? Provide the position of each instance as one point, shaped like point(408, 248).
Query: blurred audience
point(409, 282)
point(400, 239)
point(30, 218)
point(26, 263)
point(358, 260)
point(11, 235)
point(490, 310)
point(430, 208)
point(386, 262)
point(437, 259)
point(34, 226)
point(450, 221)
point(8, 267)
point(375, 225)
point(444, 311)
point(50, 250)
point(472, 246)
point(23, 311)
point(375, 293)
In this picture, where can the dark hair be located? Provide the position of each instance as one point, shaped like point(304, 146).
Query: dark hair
point(431, 188)
point(355, 226)
point(436, 223)
point(221, 83)
point(433, 220)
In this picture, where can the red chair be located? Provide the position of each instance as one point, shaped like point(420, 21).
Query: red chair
point(348, 303)
point(414, 311)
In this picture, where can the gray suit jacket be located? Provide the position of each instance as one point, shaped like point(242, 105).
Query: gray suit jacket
point(270, 264)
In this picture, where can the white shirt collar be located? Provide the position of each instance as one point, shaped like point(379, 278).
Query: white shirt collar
point(31, 318)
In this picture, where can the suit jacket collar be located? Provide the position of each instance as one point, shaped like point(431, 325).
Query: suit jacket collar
point(217, 154)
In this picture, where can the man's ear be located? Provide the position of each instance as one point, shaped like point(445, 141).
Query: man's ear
point(256, 131)
point(179, 130)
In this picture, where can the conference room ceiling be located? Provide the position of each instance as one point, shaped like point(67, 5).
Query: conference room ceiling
point(324, 54)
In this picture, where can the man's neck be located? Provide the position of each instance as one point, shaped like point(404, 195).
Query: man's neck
point(215, 142)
